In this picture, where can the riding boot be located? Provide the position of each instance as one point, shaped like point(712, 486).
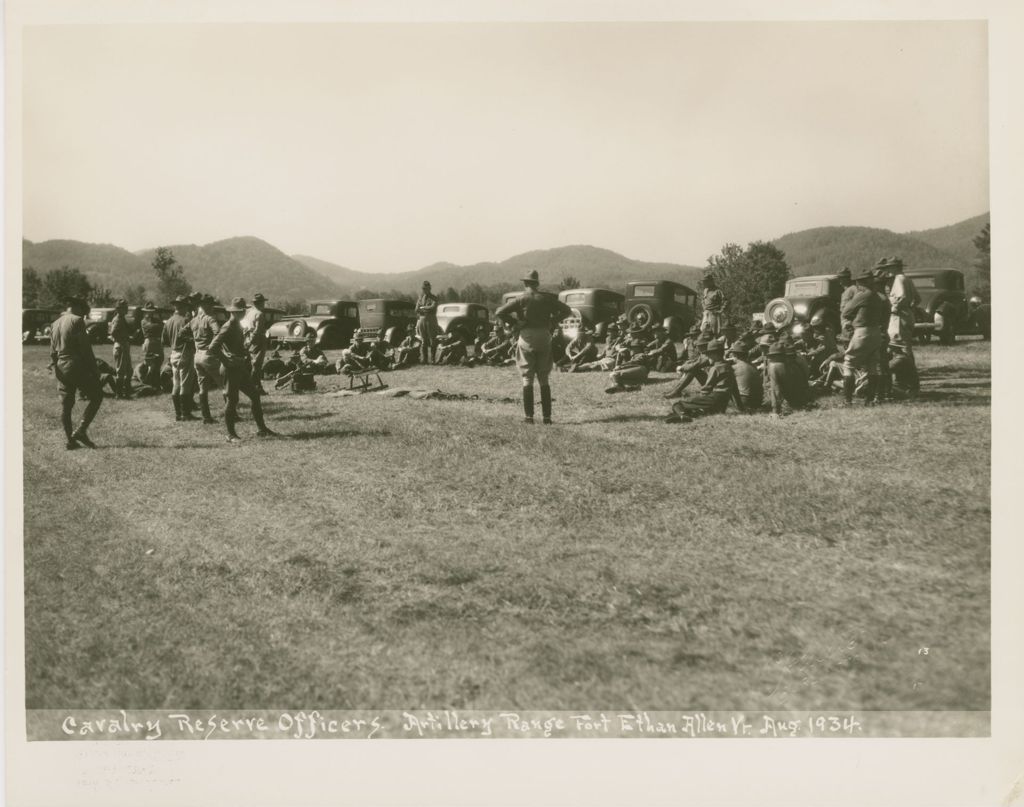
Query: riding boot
point(204, 404)
point(176, 400)
point(871, 390)
point(545, 402)
point(677, 390)
point(257, 416)
point(229, 424)
point(528, 403)
point(188, 406)
point(849, 385)
point(67, 404)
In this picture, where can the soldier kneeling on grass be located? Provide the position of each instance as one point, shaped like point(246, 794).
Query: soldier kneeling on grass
point(714, 396)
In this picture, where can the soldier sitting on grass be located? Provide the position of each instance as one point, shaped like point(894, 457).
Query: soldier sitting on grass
point(660, 352)
point(494, 349)
point(581, 350)
point(408, 351)
point(451, 349)
point(718, 389)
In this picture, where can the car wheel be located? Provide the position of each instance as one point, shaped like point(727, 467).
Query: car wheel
point(297, 330)
point(779, 312)
point(641, 315)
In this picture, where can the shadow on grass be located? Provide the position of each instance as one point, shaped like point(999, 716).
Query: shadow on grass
point(952, 397)
point(328, 434)
point(306, 416)
point(620, 418)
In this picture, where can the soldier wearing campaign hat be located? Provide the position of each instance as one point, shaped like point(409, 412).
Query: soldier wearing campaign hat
point(716, 392)
point(120, 333)
point(204, 328)
point(180, 342)
point(713, 304)
point(74, 365)
point(229, 347)
point(693, 369)
point(427, 328)
point(152, 346)
point(254, 325)
point(660, 353)
point(867, 315)
point(536, 314)
point(748, 377)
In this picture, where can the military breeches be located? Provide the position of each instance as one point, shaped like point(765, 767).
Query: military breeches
point(714, 403)
point(863, 352)
point(533, 355)
point(208, 371)
point(712, 321)
point(123, 367)
point(777, 382)
point(632, 374)
point(183, 372)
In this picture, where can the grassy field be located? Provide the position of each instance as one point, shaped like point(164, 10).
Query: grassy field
point(399, 553)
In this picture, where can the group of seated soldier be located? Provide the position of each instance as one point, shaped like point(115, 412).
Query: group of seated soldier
point(768, 368)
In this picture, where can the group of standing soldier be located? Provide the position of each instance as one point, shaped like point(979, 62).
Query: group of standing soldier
point(203, 356)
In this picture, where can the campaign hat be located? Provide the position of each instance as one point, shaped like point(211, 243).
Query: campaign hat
point(149, 306)
point(258, 298)
point(889, 264)
point(716, 346)
point(426, 284)
point(845, 274)
point(533, 278)
point(777, 350)
point(237, 304)
point(181, 299)
point(867, 276)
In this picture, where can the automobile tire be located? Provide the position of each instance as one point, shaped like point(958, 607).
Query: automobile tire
point(297, 330)
point(641, 315)
point(779, 312)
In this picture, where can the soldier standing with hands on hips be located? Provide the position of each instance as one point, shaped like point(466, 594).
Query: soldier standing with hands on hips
point(228, 346)
point(537, 314)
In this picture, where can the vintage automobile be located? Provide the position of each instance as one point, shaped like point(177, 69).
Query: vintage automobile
point(333, 322)
point(811, 297)
point(672, 304)
point(98, 321)
point(35, 324)
point(463, 319)
point(593, 308)
point(938, 286)
point(386, 320)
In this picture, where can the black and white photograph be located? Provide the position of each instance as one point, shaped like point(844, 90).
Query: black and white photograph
point(503, 379)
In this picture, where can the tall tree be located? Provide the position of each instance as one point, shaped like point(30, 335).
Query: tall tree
point(170, 276)
point(983, 243)
point(59, 284)
point(135, 295)
point(569, 282)
point(31, 287)
point(102, 297)
point(749, 277)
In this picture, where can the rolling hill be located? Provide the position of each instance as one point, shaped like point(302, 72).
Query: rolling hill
point(245, 265)
point(106, 265)
point(592, 266)
point(823, 250)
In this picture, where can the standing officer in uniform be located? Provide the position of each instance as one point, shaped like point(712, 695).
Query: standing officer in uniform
point(229, 347)
point(426, 323)
point(120, 334)
point(74, 365)
point(866, 315)
point(178, 338)
point(537, 315)
point(204, 328)
point(713, 303)
point(255, 327)
point(152, 346)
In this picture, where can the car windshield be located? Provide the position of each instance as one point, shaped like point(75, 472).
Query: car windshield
point(643, 291)
point(575, 298)
point(805, 288)
point(926, 282)
point(322, 308)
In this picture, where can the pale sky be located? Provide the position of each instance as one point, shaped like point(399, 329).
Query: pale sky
point(387, 147)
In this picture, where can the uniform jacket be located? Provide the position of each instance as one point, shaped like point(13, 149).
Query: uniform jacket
point(118, 329)
point(204, 328)
point(229, 345)
point(177, 334)
point(866, 309)
point(69, 343)
point(534, 310)
point(713, 301)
